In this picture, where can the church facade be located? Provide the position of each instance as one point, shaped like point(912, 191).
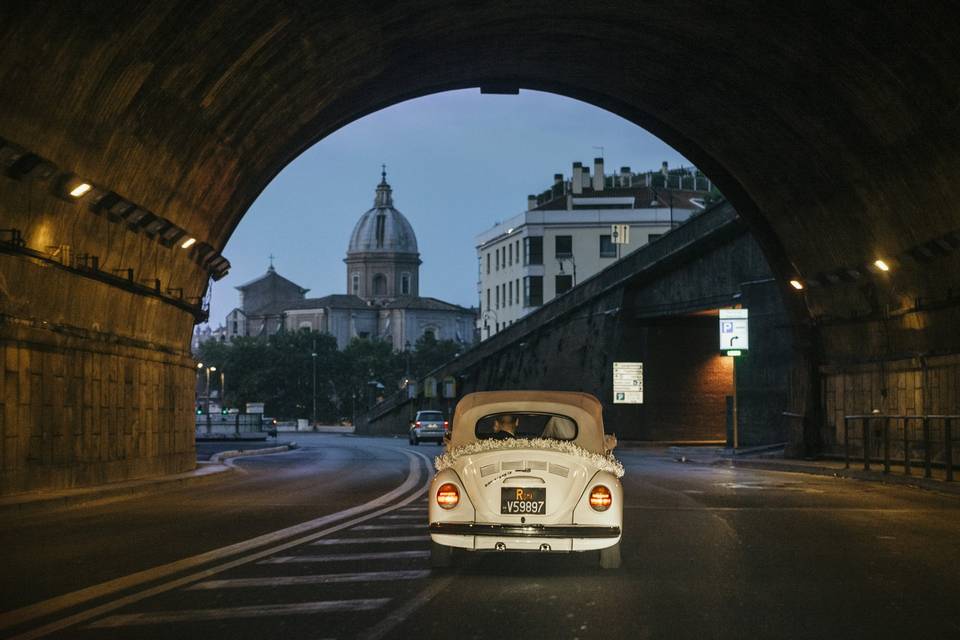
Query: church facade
point(382, 301)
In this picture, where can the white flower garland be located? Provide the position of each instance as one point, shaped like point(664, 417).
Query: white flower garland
point(603, 462)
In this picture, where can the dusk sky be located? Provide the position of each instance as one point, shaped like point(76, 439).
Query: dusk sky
point(458, 162)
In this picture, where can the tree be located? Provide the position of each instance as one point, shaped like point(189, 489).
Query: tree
point(429, 353)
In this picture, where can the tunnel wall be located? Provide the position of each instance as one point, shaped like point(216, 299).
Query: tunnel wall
point(97, 381)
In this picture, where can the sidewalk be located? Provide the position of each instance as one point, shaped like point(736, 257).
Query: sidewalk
point(22, 504)
point(767, 461)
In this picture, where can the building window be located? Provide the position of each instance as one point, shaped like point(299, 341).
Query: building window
point(405, 284)
point(488, 298)
point(533, 291)
point(653, 236)
point(510, 292)
point(497, 295)
point(430, 334)
point(534, 249)
point(379, 285)
point(355, 284)
point(235, 326)
point(607, 248)
point(488, 262)
point(517, 289)
point(517, 252)
point(381, 221)
point(496, 260)
point(510, 254)
point(563, 283)
point(564, 247)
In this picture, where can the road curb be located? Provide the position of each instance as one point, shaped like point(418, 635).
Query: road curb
point(217, 458)
point(851, 474)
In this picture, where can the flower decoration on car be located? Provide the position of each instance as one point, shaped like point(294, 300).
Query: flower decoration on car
point(603, 462)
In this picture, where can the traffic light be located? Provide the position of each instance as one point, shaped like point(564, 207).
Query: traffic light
point(199, 410)
point(223, 411)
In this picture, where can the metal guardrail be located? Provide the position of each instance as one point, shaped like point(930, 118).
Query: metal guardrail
point(879, 426)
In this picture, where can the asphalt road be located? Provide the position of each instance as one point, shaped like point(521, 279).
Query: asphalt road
point(708, 553)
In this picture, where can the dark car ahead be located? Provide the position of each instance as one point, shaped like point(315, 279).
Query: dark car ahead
point(428, 426)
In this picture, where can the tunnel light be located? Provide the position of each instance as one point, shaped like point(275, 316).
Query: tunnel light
point(212, 368)
point(189, 242)
point(880, 264)
point(199, 365)
point(796, 284)
point(80, 189)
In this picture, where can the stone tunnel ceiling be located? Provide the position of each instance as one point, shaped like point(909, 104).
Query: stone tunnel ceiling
point(832, 127)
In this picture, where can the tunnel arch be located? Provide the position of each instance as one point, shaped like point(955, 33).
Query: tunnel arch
point(831, 127)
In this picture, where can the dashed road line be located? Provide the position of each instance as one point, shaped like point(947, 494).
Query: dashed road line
point(229, 613)
point(344, 557)
point(377, 540)
point(328, 578)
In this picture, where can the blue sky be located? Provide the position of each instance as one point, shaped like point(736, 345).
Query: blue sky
point(458, 162)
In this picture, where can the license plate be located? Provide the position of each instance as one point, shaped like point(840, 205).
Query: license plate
point(523, 500)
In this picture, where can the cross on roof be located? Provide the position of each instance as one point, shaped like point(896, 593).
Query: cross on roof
point(271, 261)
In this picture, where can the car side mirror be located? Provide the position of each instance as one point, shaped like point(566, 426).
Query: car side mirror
point(609, 441)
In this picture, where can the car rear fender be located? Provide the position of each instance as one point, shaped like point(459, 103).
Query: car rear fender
point(463, 512)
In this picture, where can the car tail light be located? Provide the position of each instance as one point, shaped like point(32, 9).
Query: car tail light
point(446, 425)
point(417, 423)
point(448, 496)
point(600, 498)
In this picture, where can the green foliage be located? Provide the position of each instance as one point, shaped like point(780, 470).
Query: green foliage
point(278, 371)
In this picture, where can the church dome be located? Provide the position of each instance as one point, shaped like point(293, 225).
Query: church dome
point(383, 228)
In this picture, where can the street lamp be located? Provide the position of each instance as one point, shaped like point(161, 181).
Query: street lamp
point(313, 357)
point(209, 369)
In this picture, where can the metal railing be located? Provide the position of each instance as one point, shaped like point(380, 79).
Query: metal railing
point(235, 423)
point(877, 443)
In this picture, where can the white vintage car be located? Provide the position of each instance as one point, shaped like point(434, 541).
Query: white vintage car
point(527, 471)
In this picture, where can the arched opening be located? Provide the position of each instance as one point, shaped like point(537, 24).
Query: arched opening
point(832, 174)
point(379, 284)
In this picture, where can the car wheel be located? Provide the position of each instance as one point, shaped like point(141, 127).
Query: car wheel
point(441, 556)
point(410, 438)
point(415, 441)
point(610, 557)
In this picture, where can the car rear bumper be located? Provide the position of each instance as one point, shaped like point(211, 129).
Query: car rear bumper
point(523, 530)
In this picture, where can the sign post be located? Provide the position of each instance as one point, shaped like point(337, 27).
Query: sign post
point(619, 234)
point(628, 383)
point(734, 340)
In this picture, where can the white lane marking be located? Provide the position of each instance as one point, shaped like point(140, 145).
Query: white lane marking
point(83, 616)
point(229, 613)
point(379, 540)
point(389, 527)
point(420, 509)
point(343, 557)
point(411, 516)
point(394, 619)
point(328, 578)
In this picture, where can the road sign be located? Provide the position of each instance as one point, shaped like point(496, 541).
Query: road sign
point(620, 233)
point(734, 334)
point(628, 383)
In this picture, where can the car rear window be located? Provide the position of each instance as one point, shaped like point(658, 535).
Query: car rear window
point(526, 425)
point(430, 415)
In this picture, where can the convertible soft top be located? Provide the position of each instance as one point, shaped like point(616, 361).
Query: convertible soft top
point(583, 408)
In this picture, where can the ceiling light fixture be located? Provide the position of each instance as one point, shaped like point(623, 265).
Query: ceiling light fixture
point(189, 242)
point(880, 264)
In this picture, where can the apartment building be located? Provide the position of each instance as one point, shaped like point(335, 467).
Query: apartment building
point(566, 234)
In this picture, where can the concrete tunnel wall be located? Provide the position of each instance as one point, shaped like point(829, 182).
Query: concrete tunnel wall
point(832, 128)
